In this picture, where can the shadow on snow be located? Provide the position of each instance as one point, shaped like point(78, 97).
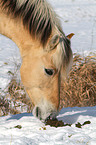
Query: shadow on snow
point(67, 115)
point(19, 116)
point(71, 115)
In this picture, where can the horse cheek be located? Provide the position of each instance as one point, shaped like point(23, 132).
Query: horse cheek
point(53, 91)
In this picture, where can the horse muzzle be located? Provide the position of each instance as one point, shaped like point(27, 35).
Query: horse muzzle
point(44, 114)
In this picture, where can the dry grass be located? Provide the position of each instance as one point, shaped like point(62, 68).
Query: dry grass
point(19, 96)
point(15, 100)
point(78, 90)
point(80, 87)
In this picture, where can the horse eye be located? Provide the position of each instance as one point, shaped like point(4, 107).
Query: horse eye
point(49, 72)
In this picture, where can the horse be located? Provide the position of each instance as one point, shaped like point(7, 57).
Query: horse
point(45, 51)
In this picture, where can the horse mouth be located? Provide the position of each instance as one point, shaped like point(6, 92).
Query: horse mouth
point(52, 116)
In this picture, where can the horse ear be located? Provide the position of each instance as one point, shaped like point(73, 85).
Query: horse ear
point(70, 35)
point(53, 42)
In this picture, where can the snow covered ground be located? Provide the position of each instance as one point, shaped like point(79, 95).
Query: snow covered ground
point(79, 17)
point(34, 132)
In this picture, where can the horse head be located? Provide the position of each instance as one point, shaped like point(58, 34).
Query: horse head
point(41, 73)
point(45, 51)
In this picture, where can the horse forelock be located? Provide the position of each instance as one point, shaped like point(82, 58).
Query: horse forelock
point(62, 58)
point(37, 16)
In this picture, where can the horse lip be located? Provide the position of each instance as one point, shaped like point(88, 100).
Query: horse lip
point(52, 116)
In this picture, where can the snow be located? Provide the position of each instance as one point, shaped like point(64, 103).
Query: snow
point(79, 17)
point(33, 133)
point(9, 60)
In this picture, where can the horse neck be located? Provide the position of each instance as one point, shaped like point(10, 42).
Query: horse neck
point(14, 29)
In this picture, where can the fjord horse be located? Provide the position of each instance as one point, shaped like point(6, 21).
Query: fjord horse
point(45, 50)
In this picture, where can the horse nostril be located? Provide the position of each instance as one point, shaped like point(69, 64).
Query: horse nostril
point(38, 113)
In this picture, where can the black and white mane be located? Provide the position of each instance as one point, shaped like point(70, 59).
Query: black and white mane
point(37, 16)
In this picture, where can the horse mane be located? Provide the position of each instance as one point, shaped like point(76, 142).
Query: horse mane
point(63, 58)
point(37, 16)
